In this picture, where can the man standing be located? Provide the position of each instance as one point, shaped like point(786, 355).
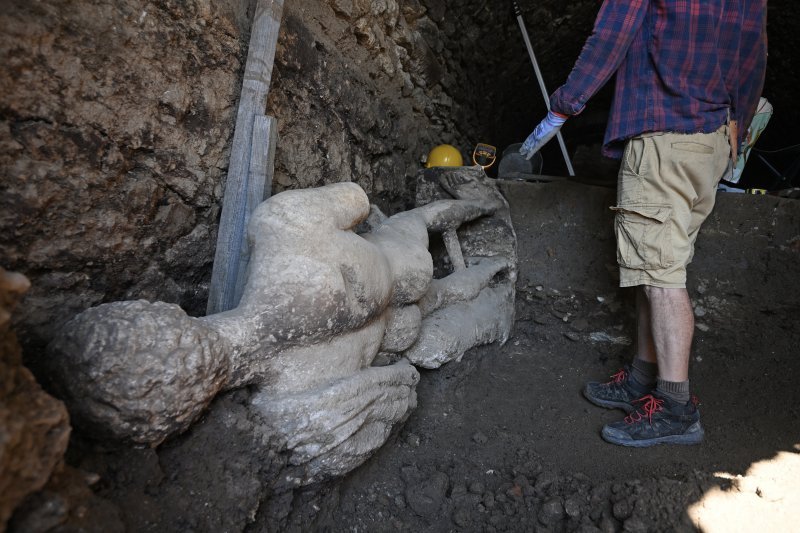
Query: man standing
point(686, 71)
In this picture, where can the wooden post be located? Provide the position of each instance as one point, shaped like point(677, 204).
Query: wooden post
point(225, 275)
point(259, 186)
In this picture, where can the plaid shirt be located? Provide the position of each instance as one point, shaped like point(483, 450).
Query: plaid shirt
point(752, 61)
point(678, 66)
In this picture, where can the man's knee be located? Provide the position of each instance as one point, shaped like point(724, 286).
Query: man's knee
point(662, 293)
point(651, 291)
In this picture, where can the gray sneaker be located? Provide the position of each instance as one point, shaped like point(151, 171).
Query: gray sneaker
point(657, 420)
point(619, 393)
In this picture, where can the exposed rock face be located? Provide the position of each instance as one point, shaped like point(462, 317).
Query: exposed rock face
point(115, 119)
point(375, 85)
point(114, 125)
point(34, 426)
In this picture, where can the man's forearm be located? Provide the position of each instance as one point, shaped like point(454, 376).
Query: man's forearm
point(616, 26)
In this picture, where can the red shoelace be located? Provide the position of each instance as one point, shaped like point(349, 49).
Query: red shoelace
point(619, 377)
point(650, 405)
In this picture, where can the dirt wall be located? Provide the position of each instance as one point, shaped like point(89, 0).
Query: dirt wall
point(116, 120)
point(363, 90)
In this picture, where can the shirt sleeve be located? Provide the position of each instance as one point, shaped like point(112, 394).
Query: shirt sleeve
point(616, 26)
point(753, 61)
point(730, 52)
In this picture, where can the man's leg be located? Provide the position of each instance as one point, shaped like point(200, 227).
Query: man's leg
point(667, 415)
point(645, 347)
point(637, 379)
point(672, 327)
point(663, 197)
point(644, 367)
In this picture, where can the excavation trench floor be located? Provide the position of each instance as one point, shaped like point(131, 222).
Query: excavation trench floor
point(504, 440)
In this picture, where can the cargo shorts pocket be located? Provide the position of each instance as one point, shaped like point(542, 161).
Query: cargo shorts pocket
point(644, 236)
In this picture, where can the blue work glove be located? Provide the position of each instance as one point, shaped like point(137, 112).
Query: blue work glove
point(545, 131)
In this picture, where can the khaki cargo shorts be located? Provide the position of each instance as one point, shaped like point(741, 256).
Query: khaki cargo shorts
point(666, 189)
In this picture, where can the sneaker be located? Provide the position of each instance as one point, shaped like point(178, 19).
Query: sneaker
point(657, 420)
point(619, 393)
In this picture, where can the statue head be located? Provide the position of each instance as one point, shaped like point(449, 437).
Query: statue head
point(136, 370)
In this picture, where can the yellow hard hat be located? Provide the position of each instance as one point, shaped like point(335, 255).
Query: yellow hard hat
point(444, 155)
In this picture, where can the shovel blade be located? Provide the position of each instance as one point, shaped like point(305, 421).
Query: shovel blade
point(513, 164)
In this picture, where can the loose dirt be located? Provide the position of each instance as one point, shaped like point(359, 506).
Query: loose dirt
point(503, 440)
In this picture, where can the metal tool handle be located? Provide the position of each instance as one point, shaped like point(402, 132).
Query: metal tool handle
point(539, 77)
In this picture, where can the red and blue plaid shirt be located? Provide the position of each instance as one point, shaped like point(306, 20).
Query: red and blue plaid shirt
point(752, 61)
point(679, 66)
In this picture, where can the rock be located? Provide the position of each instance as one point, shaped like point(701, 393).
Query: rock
point(551, 511)
point(343, 7)
point(66, 503)
point(458, 492)
point(571, 335)
point(622, 510)
point(42, 512)
point(572, 508)
point(412, 440)
point(608, 524)
point(544, 480)
point(530, 469)
point(476, 487)
point(515, 491)
point(410, 474)
point(521, 481)
point(436, 9)
point(480, 438)
point(488, 500)
point(461, 517)
point(426, 498)
point(635, 525)
point(34, 426)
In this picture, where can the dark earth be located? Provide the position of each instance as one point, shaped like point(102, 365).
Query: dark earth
point(504, 441)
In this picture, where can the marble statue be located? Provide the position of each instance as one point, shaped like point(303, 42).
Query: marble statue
point(320, 304)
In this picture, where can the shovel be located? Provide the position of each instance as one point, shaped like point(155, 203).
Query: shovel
point(514, 166)
point(527, 40)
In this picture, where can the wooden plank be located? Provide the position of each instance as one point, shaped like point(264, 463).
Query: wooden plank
point(252, 103)
point(259, 186)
